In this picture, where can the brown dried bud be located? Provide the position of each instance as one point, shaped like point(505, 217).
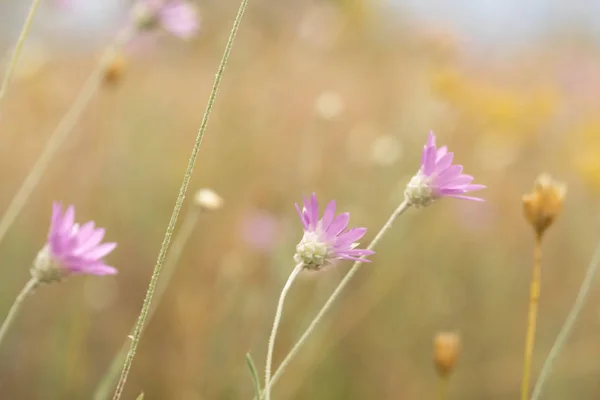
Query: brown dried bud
point(446, 349)
point(114, 69)
point(544, 203)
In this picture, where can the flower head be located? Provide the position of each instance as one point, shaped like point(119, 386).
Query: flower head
point(178, 17)
point(71, 249)
point(543, 205)
point(208, 200)
point(327, 239)
point(437, 177)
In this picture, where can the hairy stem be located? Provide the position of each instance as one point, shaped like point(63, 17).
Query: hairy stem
point(295, 272)
point(104, 389)
point(534, 297)
point(14, 309)
point(568, 325)
point(18, 48)
point(355, 267)
point(60, 134)
point(137, 334)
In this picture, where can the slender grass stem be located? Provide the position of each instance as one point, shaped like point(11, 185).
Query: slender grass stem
point(14, 59)
point(179, 202)
point(14, 309)
point(355, 267)
point(566, 329)
point(295, 272)
point(106, 385)
point(60, 134)
point(534, 297)
point(442, 387)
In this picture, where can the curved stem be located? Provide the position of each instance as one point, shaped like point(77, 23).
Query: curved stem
point(18, 48)
point(137, 334)
point(568, 325)
point(14, 309)
point(534, 297)
point(105, 386)
point(397, 212)
point(60, 134)
point(295, 272)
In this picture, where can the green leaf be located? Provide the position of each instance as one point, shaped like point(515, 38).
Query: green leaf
point(255, 378)
point(140, 397)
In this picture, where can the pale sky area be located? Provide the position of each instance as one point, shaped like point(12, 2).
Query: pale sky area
point(483, 22)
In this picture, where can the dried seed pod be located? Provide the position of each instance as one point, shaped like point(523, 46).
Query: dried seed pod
point(544, 203)
point(446, 349)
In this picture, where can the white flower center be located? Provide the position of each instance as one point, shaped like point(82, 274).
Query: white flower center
point(419, 191)
point(311, 251)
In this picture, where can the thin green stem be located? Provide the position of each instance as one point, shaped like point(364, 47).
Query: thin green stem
point(295, 272)
point(14, 309)
point(60, 134)
point(105, 387)
point(397, 212)
point(18, 48)
point(179, 202)
point(569, 324)
point(254, 374)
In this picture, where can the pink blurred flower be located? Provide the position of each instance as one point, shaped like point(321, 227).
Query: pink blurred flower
point(260, 230)
point(178, 17)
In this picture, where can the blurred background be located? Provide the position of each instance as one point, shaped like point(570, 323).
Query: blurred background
point(335, 97)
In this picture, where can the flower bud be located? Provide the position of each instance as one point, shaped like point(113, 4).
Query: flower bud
point(46, 269)
point(208, 200)
point(543, 205)
point(446, 349)
point(144, 16)
point(113, 70)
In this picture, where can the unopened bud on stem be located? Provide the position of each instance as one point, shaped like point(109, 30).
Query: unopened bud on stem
point(446, 349)
point(208, 200)
point(544, 203)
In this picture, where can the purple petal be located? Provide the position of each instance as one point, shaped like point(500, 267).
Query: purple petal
point(85, 231)
point(93, 240)
point(314, 212)
point(337, 226)
point(364, 260)
point(306, 211)
point(431, 139)
point(444, 162)
point(350, 236)
point(448, 175)
point(457, 196)
point(328, 215)
point(99, 269)
point(67, 221)
point(56, 216)
point(100, 251)
point(470, 188)
point(301, 215)
point(358, 252)
point(441, 152)
point(429, 164)
point(460, 181)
